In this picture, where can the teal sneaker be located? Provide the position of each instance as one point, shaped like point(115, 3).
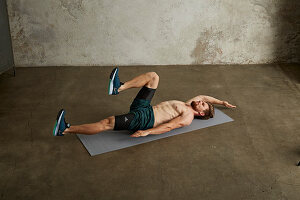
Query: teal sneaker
point(60, 124)
point(114, 82)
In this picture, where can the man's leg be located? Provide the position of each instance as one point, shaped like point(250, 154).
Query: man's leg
point(94, 128)
point(141, 103)
point(149, 79)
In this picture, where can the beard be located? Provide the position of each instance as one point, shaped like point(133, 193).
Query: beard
point(194, 105)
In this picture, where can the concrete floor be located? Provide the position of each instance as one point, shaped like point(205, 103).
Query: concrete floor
point(253, 157)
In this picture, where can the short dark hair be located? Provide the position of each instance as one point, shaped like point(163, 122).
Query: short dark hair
point(209, 113)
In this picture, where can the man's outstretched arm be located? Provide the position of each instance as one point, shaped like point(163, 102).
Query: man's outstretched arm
point(211, 100)
point(180, 121)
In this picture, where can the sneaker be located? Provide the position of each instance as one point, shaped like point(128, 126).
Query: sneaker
point(60, 124)
point(114, 82)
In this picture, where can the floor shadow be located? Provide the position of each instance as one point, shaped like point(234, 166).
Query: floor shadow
point(8, 74)
point(292, 71)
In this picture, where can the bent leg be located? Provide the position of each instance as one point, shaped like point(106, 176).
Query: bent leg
point(93, 128)
point(149, 79)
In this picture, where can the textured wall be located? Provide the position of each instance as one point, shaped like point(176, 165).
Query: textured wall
point(105, 32)
point(6, 57)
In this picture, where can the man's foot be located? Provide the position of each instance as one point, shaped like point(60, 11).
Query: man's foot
point(114, 82)
point(60, 124)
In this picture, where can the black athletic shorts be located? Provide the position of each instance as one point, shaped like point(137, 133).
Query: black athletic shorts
point(140, 116)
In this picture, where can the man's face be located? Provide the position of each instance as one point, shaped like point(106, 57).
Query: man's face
point(199, 106)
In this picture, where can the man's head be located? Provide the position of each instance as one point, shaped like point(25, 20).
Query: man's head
point(205, 110)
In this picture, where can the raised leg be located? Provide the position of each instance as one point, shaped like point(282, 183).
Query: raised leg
point(149, 79)
point(94, 128)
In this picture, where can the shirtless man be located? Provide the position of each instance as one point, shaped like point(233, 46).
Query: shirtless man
point(142, 118)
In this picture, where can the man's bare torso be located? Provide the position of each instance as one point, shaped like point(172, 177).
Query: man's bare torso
point(168, 110)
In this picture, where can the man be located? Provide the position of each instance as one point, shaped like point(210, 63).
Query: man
point(142, 117)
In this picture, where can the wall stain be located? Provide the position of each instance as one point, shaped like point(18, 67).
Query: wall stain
point(207, 49)
point(74, 8)
point(30, 34)
point(267, 11)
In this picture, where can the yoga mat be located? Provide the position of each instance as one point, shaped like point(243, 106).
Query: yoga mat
point(113, 140)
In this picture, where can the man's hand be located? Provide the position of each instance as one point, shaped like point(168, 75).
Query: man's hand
point(228, 105)
point(140, 133)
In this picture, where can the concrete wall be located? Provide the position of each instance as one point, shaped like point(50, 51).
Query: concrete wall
point(143, 32)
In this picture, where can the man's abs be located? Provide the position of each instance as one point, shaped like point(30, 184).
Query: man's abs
point(167, 110)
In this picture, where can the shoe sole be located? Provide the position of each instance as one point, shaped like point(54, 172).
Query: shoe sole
point(111, 81)
point(58, 120)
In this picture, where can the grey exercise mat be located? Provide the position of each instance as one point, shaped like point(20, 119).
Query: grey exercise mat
point(113, 140)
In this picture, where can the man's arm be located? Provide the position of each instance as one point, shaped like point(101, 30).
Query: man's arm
point(211, 100)
point(184, 119)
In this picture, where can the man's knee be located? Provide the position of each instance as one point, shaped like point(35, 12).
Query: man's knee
point(154, 80)
point(153, 75)
point(110, 122)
